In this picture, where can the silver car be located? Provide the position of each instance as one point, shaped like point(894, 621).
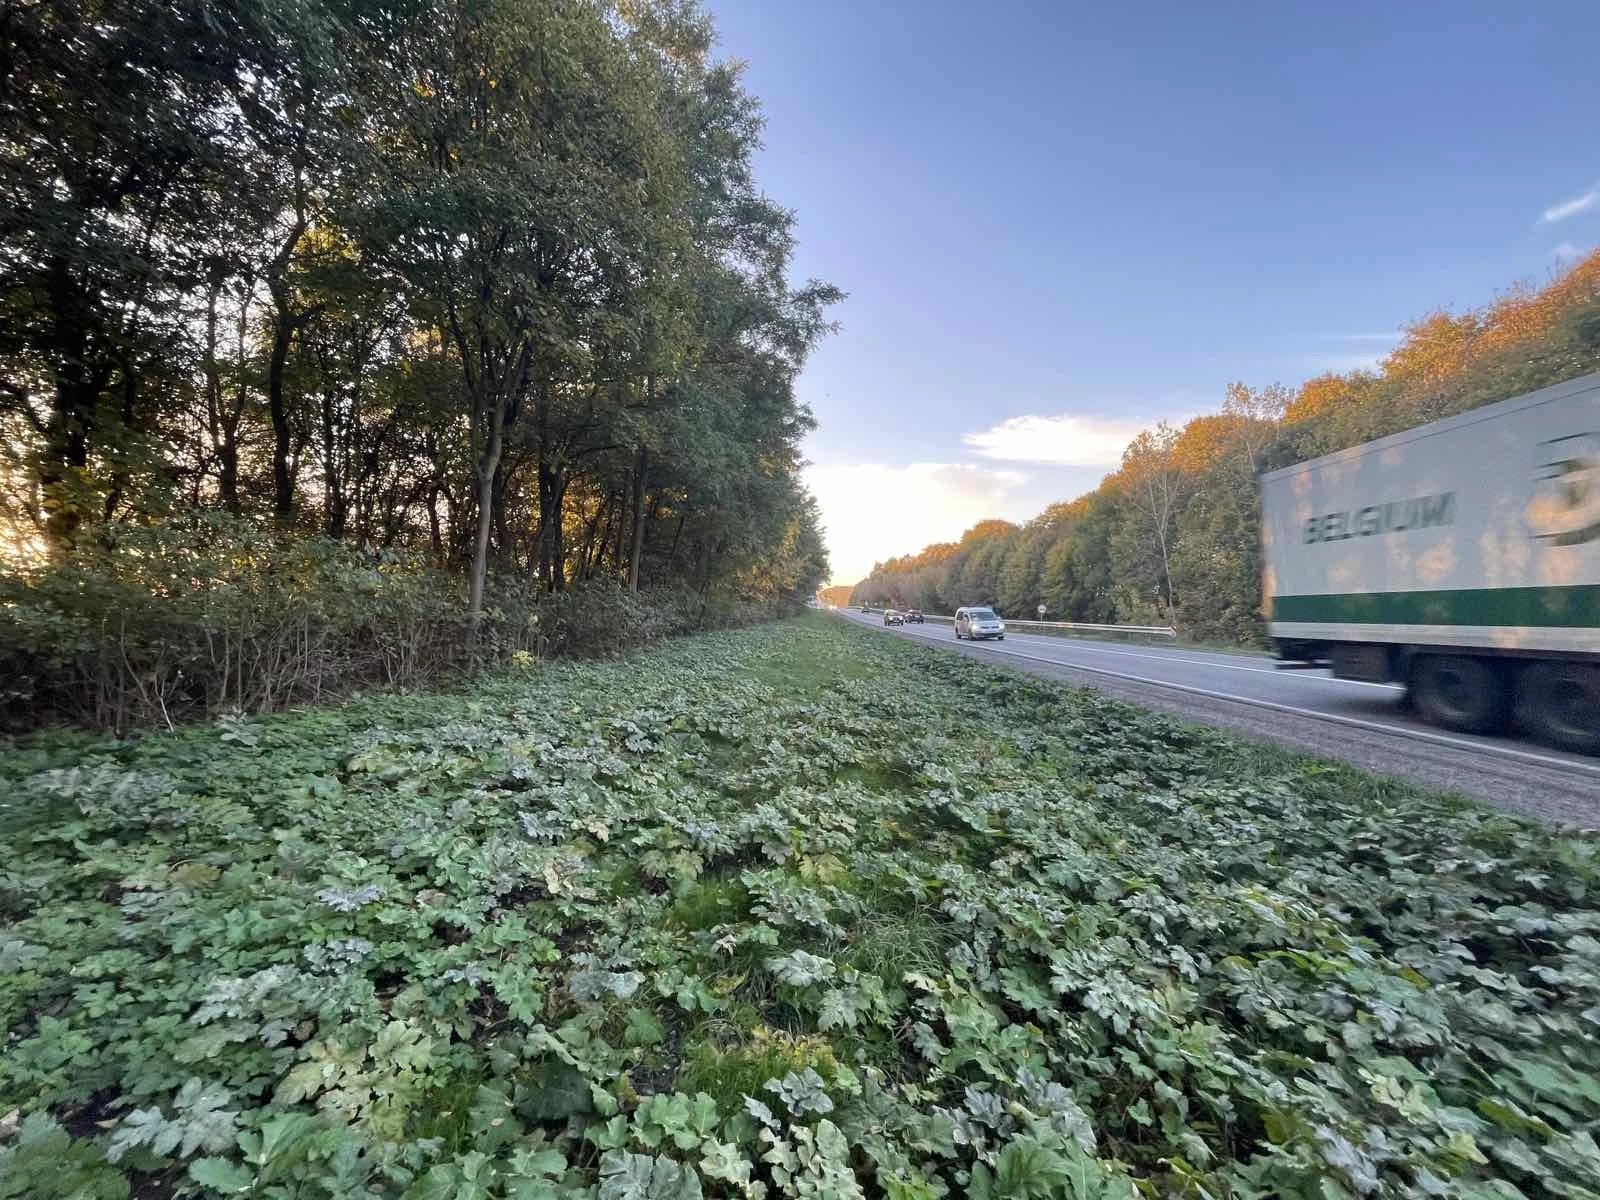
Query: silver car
point(978, 623)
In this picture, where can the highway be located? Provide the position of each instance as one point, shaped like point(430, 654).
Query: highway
point(1362, 724)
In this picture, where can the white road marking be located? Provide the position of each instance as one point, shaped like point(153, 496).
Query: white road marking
point(1487, 748)
point(1116, 652)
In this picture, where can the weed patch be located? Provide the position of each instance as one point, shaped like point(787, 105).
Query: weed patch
point(793, 911)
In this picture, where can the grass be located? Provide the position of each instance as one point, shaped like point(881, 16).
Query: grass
point(797, 906)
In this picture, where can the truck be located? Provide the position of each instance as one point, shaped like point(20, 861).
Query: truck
point(1460, 559)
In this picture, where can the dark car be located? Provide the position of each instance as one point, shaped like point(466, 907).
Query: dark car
point(914, 617)
point(890, 617)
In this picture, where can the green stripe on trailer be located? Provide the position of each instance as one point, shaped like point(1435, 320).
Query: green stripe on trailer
point(1529, 607)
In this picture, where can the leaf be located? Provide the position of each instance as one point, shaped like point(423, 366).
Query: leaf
point(626, 1176)
point(537, 1161)
point(1027, 1170)
point(349, 900)
point(17, 955)
point(760, 1112)
point(221, 1175)
point(491, 1119)
point(840, 1009)
point(556, 1091)
point(801, 1092)
point(643, 1029)
point(722, 1160)
point(141, 1127)
point(594, 984)
point(612, 1135)
point(799, 968)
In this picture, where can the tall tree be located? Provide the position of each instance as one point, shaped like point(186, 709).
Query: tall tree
point(1150, 469)
point(529, 176)
point(117, 119)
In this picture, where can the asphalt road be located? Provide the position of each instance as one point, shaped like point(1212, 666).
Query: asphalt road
point(1358, 723)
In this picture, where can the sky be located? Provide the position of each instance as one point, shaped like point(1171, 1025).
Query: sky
point(1058, 223)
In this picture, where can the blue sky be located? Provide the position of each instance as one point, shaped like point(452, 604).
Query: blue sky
point(1058, 222)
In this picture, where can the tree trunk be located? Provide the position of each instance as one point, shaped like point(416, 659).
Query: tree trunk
point(610, 519)
point(435, 535)
point(640, 469)
point(485, 467)
point(130, 417)
point(213, 373)
point(282, 335)
point(677, 532)
point(547, 492)
point(480, 547)
point(558, 534)
point(66, 449)
point(505, 551)
point(228, 448)
point(333, 478)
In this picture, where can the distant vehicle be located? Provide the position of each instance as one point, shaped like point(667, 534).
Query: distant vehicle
point(1461, 559)
point(979, 623)
point(863, 608)
point(914, 616)
point(890, 617)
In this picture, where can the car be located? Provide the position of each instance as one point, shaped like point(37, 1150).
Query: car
point(914, 617)
point(978, 623)
point(891, 617)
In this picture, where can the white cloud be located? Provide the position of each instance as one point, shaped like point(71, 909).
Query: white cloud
point(1064, 440)
point(1566, 252)
point(871, 511)
point(1571, 208)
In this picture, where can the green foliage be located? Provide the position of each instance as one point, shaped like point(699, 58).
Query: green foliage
point(44, 1160)
point(201, 1122)
point(217, 616)
point(470, 304)
point(440, 946)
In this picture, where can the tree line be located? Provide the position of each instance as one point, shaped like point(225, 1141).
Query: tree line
point(488, 278)
point(480, 290)
point(1173, 535)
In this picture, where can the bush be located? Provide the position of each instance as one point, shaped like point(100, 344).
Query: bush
point(155, 624)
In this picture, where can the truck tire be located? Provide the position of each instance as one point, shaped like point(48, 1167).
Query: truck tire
point(1560, 704)
point(1464, 694)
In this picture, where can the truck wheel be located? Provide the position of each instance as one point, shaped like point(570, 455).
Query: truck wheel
point(1465, 694)
point(1561, 705)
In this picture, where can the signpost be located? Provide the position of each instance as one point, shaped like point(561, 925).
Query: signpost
point(1041, 612)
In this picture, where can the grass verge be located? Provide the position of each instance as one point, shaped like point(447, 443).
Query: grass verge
point(795, 911)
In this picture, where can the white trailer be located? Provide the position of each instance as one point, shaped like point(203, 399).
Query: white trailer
point(1460, 558)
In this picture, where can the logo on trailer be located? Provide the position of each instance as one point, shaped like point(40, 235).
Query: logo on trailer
point(1389, 516)
point(1564, 509)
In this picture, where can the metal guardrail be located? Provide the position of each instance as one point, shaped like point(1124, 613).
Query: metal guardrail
point(1165, 631)
point(1160, 631)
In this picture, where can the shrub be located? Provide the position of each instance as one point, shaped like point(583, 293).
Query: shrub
point(155, 624)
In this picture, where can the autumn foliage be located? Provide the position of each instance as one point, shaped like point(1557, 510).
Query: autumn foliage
point(1173, 534)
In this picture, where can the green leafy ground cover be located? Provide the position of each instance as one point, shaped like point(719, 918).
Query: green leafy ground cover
point(794, 911)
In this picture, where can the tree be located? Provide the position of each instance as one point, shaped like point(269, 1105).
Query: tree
point(1155, 485)
point(527, 189)
point(117, 120)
